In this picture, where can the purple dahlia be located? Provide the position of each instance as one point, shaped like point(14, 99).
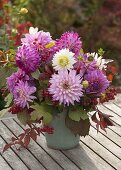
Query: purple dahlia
point(71, 41)
point(23, 94)
point(14, 79)
point(27, 58)
point(66, 87)
point(98, 82)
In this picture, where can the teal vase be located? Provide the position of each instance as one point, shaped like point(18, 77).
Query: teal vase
point(62, 137)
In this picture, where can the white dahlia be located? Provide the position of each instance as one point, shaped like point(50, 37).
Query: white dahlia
point(100, 62)
point(63, 60)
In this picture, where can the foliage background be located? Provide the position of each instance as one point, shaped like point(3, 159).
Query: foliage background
point(98, 22)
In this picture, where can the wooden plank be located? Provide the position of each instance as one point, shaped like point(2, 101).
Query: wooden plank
point(11, 157)
point(84, 157)
point(118, 100)
point(113, 108)
point(39, 153)
point(24, 155)
point(4, 165)
point(116, 150)
point(8, 115)
point(115, 117)
point(60, 158)
point(104, 153)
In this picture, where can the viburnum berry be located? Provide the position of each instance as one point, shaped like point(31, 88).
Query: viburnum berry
point(109, 95)
point(45, 93)
point(15, 109)
point(47, 129)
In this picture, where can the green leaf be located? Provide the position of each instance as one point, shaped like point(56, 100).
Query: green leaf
point(101, 52)
point(36, 74)
point(35, 116)
point(81, 128)
point(77, 114)
point(4, 73)
point(8, 100)
point(42, 110)
point(3, 112)
point(23, 117)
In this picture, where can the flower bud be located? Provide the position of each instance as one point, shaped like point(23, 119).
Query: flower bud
point(103, 95)
point(51, 44)
point(80, 58)
point(23, 11)
point(85, 84)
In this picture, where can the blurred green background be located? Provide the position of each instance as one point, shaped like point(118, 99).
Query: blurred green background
point(98, 22)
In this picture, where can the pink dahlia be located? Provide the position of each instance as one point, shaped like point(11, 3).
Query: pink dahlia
point(71, 41)
point(23, 94)
point(14, 79)
point(27, 58)
point(40, 40)
point(66, 87)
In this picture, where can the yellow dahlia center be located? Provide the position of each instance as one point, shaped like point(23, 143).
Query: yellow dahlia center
point(63, 61)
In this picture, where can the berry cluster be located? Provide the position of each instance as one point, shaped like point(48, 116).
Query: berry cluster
point(15, 109)
point(48, 96)
point(47, 129)
point(89, 102)
point(109, 95)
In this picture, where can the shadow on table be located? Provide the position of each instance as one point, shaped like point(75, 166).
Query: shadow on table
point(85, 159)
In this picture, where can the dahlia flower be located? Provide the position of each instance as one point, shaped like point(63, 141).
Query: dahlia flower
point(84, 64)
point(35, 38)
point(23, 94)
point(71, 41)
point(14, 79)
point(40, 40)
point(64, 59)
point(100, 62)
point(65, 87)
point(98, 82)
point(27, 58)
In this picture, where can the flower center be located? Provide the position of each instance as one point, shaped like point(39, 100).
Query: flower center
point(22, 94)
point(95, 86)
point(66, 86)
point(63, 61)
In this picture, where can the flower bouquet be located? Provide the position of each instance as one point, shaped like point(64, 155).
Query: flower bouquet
point(55, 88)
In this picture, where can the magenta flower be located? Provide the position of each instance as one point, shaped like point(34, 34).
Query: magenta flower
point(27, 58)
point(23, 94)
point(39, 40)
point(71, 41)
point(66, 87)
point(98, 82)
point(14, 79)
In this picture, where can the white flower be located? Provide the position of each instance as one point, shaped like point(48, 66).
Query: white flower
point(33, 30)
point(64, 59)
point(101, 63)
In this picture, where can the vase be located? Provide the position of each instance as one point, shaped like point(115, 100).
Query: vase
point(62, 137)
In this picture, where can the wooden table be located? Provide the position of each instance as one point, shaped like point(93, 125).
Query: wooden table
point(96, 152)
